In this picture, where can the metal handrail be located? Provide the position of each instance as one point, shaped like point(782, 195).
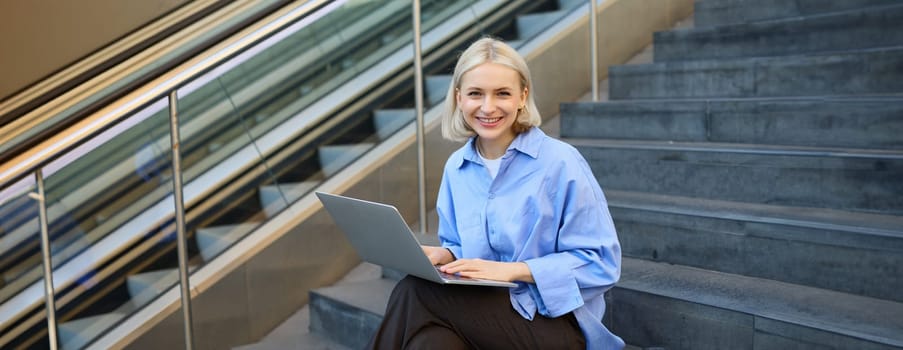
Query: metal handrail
point(306, 20)
point(181, 241)
point(594, 50)
point(48, 89)
point(161, 87)
point(50, 303)
point(44, 118)
point(53, 147)
point(36, 160)
point(418, 110)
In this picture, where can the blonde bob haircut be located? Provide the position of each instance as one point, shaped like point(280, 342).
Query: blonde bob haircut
point(487, 50)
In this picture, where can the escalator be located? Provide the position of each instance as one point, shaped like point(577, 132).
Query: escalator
point(258, 131)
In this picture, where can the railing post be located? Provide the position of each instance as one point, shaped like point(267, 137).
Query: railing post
point(49, 293)
point(594, 51)
point(418, 103)
point(181, 245)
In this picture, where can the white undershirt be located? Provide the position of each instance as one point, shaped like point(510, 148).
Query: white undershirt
point(491, 164)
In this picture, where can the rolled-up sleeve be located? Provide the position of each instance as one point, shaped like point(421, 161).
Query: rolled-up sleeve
point(587, 256)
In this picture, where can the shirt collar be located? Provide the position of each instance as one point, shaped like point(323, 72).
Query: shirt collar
point(527, 142)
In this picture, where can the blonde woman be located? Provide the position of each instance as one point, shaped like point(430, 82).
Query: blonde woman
point(514, 205)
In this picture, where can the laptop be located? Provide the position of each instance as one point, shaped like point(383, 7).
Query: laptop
point(381, 236)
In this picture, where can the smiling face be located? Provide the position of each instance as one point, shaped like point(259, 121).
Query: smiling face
point(489, 96)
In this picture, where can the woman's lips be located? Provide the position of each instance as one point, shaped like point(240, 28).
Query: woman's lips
point(489, 122)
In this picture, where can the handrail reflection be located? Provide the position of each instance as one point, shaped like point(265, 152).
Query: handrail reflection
point(57, 145)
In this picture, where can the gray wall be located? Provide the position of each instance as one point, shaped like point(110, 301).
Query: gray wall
point(39, 37)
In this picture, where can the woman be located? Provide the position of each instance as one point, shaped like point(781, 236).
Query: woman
point(514, 205)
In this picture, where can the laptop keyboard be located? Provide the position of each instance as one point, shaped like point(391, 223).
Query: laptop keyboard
point(450, 276)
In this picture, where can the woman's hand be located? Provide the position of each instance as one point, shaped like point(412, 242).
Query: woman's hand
point(438, 255)
point(490, 270)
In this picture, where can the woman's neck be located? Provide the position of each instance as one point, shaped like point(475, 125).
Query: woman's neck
point(492, 150)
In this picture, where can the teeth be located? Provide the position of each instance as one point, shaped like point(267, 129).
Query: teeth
point(489, 121)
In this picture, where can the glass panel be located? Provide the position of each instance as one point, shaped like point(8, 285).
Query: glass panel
point(111, 210)
point(19, 233)
point(276, 81)
point(222, 171)
point(249, 148)
point(109, 206)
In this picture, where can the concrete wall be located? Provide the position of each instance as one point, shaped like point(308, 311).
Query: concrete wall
point(39, 37)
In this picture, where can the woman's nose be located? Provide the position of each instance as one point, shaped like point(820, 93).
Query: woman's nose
point(488, 105)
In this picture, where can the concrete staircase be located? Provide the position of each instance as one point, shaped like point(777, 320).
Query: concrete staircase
point(754, 172)
point(755, 175)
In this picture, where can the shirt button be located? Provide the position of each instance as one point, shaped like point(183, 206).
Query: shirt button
point(491, 195)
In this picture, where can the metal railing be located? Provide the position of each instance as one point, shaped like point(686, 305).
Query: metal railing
point(594, 50)
point(14, 174)
point(51, 104)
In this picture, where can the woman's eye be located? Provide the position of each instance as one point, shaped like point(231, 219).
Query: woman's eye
point(473, 93)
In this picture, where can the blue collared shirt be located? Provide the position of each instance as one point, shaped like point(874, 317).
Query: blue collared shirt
point(544, 208)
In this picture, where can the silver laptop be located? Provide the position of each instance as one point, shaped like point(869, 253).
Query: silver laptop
point(381, 236)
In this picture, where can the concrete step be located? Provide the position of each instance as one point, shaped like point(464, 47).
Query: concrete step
point(350, 314)
point(571, 4)
point(213, 240)
point(875, 71)
point(306, 341)
point(335, 157)
point(844, 179)
point(350, 311)
point(720, 12)
point(842, 31)
point(436, 87)
point(274, 198)
point(677, 307)
point(294, 334)
point(388, 121)
point(144, 287)
point(529, 25)
point(75, 334)
point(874, 123)
point(855, 253)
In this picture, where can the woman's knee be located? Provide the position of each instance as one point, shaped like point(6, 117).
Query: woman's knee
point(409, 284)
point(407, 288)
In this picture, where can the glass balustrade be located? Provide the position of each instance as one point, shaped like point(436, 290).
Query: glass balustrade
point(249, 148)
point(101, 244)
point(19, 228)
